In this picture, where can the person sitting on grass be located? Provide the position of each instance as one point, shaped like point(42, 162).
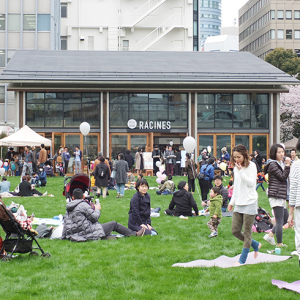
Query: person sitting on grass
point(4, 185)
point(81, 222)
point(140, 209)
point(26, 190)
point(166, 187)
point(35, 180)
point(183, 201)
point(43, 176)
point(215, 212)
point(218, 179)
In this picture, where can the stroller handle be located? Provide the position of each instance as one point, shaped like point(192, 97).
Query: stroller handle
point(66, 180)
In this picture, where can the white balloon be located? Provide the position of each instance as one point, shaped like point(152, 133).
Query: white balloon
point(2, 171)
point(171, 143)
point(158, 163)
point(85, 128)
point(189, 144)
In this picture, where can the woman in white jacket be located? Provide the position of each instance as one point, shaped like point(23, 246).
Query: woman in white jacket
point(244, 200)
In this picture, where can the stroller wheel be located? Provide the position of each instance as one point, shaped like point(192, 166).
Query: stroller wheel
point(45, 254)
point(33, 253)
point(6, 258)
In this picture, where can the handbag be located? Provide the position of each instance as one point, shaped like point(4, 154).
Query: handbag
point(201, 176)
point(113, 174)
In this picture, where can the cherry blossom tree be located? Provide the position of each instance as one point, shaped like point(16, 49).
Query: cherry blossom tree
point(290, 113)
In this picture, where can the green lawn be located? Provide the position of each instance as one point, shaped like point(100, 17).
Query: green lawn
point(141, 268)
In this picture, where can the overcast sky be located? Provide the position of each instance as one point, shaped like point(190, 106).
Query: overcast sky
point(230, 11)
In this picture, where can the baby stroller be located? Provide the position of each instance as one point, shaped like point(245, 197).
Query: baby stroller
point(48, 169)
point(17, 239)
point(81, 181)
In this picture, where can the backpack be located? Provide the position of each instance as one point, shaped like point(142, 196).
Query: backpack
point(262, 221)
point(202, 176)
point(12, 166)
point(102, 173)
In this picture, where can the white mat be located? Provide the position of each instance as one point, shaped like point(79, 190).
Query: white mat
point(55, 222)
point(227, 262)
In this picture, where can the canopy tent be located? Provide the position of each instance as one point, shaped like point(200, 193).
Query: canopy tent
point(24, 136)
point(291, 144)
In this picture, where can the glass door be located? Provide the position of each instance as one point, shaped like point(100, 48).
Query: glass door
point(242, 139)
point(118, 145)
point(223, 141)
point(71, 141)
point(205, 141)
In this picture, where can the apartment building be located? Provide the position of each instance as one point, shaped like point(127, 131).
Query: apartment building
point(135, 25)
point(24, 25)
point(268, 24)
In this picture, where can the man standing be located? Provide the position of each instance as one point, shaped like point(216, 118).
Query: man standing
point(66, 158)
point(169, 156)
point(78, 157)
point(34, 159)
point(42, 156)
point(27, 161)
point(293, 155)
point(10, 154)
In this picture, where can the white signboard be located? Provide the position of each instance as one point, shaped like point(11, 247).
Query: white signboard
point(133, 124)
point(148, 160)
point(183, 153)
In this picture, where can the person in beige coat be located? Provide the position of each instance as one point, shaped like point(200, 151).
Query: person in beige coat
point(191, 169)
point(139, 161)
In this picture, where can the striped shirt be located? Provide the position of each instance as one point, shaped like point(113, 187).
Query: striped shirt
point(294, 200)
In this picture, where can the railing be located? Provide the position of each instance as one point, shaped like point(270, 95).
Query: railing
point(157, 33)
point(140, 13)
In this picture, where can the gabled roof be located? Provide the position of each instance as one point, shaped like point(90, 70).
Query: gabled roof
point(157, 66)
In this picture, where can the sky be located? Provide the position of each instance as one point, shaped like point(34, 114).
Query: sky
point(230, 11)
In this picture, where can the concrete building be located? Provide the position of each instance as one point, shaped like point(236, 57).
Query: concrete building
point(268, 24)
point(210, 19)
point(24, 25)
point(164, 25)
point(137, 99)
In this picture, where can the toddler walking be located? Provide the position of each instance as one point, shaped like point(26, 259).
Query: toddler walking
point(215, 211)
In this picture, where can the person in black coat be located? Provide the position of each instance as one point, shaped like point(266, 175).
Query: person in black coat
point(102, 175)
point(130, 160)
point(10, 154)
point(156, 155)
point(140, 209)
point(25, 188)
point(183, 201)
point(258, 159)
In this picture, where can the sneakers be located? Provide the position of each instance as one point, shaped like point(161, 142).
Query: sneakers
point(270, 240)
point(213, 234)
point(118, 196)
point(141, 232)
point(45, 194)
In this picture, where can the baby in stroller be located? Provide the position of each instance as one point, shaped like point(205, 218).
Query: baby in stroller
point(59, 169)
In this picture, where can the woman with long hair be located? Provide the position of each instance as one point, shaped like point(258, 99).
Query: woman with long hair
point(191, 169)
point(244, 201)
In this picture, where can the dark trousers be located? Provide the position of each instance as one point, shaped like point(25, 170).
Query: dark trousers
point(170, 169)
point(178, 169)
point(66, 167)
point(114, 226)
point(281, 215)
point(34, 167)
point(36, 192)
point(204, 186)
point(191, 183)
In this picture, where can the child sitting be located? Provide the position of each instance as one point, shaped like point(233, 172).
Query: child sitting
point(35, 180)
point(215, 212)
point(42, 176)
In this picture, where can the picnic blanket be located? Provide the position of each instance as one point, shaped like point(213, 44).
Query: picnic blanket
point(48, 221)
point(227, 262)
point(294, 286)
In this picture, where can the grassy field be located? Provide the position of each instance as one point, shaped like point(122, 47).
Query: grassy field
point(141, 268)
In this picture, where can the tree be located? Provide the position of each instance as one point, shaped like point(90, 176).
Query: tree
point(285, 60)
point(290, 113)
point(3, 150)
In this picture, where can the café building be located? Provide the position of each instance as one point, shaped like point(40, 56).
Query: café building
point(140, 99)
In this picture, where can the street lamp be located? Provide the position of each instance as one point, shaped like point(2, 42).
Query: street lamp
point(85, 129)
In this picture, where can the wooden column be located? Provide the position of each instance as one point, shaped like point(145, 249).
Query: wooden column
point(104, 129)
point(21, 110)
point(192, 116)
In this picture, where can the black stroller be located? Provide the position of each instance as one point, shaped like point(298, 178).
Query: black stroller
point(81, 181)
point(17, 239)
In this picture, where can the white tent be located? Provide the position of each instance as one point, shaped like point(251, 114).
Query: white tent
point(24, 136)
point(291, 144)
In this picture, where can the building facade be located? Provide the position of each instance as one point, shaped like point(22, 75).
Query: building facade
point(210, 19)
point(268, 24)
point(24, 25)
point(137, 25)
point(221, 99)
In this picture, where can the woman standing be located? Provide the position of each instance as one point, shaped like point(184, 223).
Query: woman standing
point(156, 155)
point(209, 173)
point(244, 200)
point(121, 169)
point(102, 174)
point(191, 169)
point(140, 209)
point(139, 161)
point(277, 191)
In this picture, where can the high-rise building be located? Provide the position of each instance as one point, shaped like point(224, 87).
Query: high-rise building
point(268, 24)
point(127, 25)
point(24, 25)
point(210, 19)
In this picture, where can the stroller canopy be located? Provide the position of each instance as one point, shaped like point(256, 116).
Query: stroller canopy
point(81, 181)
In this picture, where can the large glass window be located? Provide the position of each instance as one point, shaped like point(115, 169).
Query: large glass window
point(2, 22)
point(43, 22)
point(259, 142)
point(14, 22)
point(232, 111)
point(204, 141)
point(29, 22)
point(148, 107)
point(118, 145)
point(63, 109)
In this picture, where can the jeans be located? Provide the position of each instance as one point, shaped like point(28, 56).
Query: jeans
point(223, 209)
point(120, 188)
point(25, 166)
point(77, 167)
point(260, 184)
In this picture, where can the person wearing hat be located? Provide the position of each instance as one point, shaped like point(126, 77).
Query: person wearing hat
point(10, 154)
point(156, 155)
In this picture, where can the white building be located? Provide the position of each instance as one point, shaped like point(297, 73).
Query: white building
point(227, 41)
point(24, 25)
point(136, 25)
